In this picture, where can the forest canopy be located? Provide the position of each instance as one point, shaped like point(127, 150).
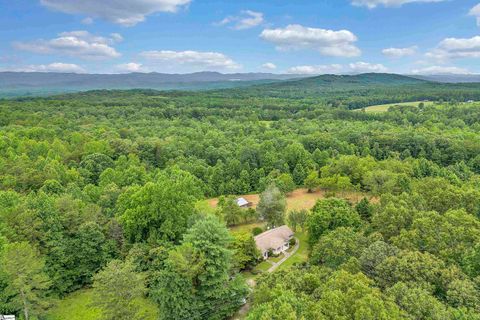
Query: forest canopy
point(101, 189)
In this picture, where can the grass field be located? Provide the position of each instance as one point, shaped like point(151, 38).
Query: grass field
point(384, 107)
point(248, 228)
point(298, 199)
point(77, 306)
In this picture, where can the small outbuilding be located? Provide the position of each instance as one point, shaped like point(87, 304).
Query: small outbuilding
point(243, 203)
point(277, 240)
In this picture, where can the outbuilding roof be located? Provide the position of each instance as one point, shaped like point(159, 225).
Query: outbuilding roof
point(242, 202)
point(273, 238)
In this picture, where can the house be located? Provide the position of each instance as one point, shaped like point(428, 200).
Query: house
point(277, 240)
point(243, 203)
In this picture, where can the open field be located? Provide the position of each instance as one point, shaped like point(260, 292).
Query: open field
point(384, 107)
point(77, 306)
point(299, 199)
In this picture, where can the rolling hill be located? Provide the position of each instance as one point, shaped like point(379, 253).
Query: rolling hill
point(362, 90)
point(43, 83)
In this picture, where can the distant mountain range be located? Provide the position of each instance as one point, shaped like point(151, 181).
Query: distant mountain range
point(451, 78)
point(31, 83)
point(356, 91)
point(335, 83)
point(43, 83)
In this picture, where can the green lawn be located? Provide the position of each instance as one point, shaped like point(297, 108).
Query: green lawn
point(276, 259)
point(384, 107)
point(302, 253)
point(263, 266)
point(247, 227)
point(77, 306)
point(204, 206)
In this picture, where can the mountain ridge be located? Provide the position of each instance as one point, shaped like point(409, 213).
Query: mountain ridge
point(13, 84)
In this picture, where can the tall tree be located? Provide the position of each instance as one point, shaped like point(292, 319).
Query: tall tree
point(160, 210)
point(246, 254)
point(329, 214)
point(117, 289)
point(229, 211)
point(312, 181)
point(272, 206)
point(196, 282)
point(26, 281)
point(297, 218)
point(364, 209)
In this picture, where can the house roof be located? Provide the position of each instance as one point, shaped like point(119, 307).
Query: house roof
point(273, 238)
point(242, 202)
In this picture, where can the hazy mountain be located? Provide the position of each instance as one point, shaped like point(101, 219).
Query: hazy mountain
point(330, 82)
point(356, 91)
point(451, 78)
point(47, 81)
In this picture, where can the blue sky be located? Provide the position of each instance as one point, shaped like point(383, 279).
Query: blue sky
point(280, 36)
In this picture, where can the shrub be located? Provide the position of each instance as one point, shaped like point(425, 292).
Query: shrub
point(256, 231)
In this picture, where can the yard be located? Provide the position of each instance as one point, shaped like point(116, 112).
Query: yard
point(248, 227)
point(301, 255)
point(277, 258)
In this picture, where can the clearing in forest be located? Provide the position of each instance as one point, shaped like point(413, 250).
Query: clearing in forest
point(300, 198)
point(384, 107)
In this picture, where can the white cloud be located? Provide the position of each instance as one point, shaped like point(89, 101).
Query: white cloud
point(387, 3)
point(124, 12)
point(475, 11)
point(363, 67)
point(318, 69)
point(357, 67)
point(246, 20)
point(456, 48)
point(79, 44)
point(87, 21)
point(269, 66)
point(207, 60)
point(327, 42)
point(434, 70)
point(116, 37)
point(52, 67)
point(130, 67)
point(400, 52)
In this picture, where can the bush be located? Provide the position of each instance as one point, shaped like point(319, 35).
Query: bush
point(292, 242)
point(256, 231)
point(270, 253)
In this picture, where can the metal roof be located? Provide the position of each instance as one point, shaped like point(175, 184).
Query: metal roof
point(242, 202)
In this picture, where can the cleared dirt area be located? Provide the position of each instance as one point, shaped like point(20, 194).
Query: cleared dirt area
point(301, 198)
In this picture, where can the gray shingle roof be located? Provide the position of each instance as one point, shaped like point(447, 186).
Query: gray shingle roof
point(273, 238)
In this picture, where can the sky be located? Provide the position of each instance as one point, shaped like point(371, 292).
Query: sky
point(278, 36)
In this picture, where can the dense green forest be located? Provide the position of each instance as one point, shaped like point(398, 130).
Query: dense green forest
point(100, 191)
